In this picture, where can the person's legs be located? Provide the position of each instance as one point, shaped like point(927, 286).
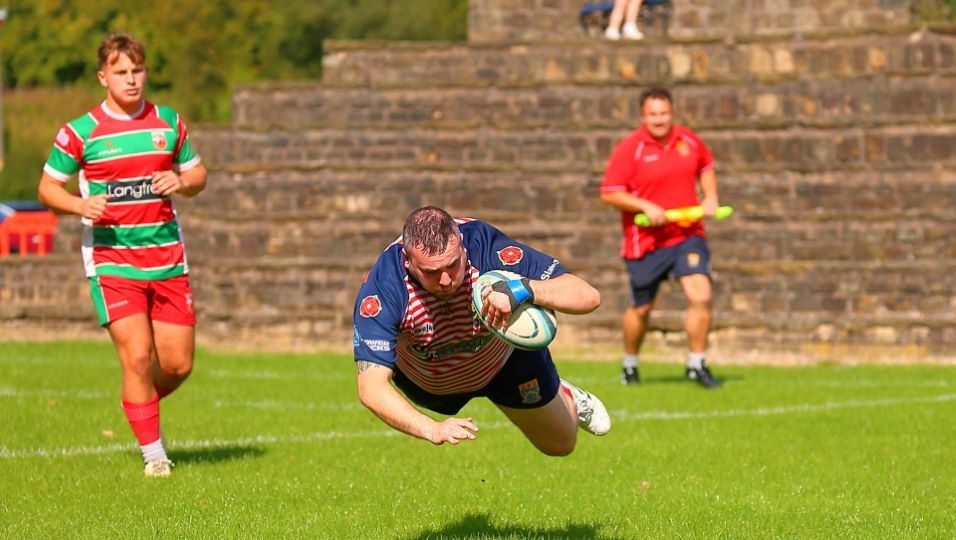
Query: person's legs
point(175, 349)
point(645, 275)
point(552, 429)
point(636, 319)
point(133, 340)
point(630, 30)
point(699, 292)
point(692, 268)
point(613, 31)
point(547, 409)
point(173, 324)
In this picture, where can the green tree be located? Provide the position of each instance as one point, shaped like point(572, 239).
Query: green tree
point(197, 50)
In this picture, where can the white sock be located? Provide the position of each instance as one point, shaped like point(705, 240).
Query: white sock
point(630, 360)
point(695, 360)
point(153, 451)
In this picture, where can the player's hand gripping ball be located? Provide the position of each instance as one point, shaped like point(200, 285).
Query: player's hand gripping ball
point(531, 327)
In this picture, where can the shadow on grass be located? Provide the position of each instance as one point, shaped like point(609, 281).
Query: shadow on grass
point(681, 379)
point(215, 455)
point(479, 526)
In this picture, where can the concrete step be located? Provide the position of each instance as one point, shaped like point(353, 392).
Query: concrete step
point(763, 198)
point(742, 150)
point(598, 63)
point(863, 102)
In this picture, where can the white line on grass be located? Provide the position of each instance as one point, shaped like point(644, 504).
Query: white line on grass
point(6, 391)
point(771, 411)
point(619, 415)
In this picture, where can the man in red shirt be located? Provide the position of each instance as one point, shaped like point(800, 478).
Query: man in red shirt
point(656, 168)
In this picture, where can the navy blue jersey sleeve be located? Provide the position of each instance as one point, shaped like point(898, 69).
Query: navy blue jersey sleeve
point(379, 309)
point(491, 249)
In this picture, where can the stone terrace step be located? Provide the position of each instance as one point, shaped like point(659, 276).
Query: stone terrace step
point(431, 65)
point(792, 149)
point(764, 199)
point(858, 216)
point(827, 103)
point(791, 291)
point(737, 240)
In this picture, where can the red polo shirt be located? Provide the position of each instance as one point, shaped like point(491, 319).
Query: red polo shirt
point(665, 174)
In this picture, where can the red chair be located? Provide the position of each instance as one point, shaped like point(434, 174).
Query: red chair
point(28, 232)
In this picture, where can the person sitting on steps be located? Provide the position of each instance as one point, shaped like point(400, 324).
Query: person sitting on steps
point(627, 11)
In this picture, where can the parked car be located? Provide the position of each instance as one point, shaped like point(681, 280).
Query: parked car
point(26, 227)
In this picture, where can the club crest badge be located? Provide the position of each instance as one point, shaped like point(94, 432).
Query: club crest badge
point(510, 255)
point(159, 140)
point(693, 260)
point(682, 148)
point(530, 392)
point(370, 307)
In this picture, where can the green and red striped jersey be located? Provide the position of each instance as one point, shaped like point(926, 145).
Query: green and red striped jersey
point(138, 237)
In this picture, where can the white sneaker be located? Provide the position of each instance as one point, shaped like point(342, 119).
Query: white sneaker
point(592, 415)
point(612, 33)
point(158, 468)
point(631, 31)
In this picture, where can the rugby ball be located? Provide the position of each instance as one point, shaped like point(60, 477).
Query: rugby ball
point(531, 327)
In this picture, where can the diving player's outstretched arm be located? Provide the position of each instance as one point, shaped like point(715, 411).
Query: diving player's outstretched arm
point(377, 393)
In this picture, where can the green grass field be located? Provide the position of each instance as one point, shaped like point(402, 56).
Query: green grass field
point(278, 446)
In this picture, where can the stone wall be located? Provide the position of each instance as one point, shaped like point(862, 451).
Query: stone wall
point(835, 149)
point(557, 20)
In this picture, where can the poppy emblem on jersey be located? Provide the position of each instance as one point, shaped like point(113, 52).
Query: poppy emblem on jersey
point(693, 260)
point(370, 306)
point(511, 255)
point(530, 392)
point(159, 140)
point(682, 148)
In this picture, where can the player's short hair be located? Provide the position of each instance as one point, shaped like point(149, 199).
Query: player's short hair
point(656, 92)
point(429, 228)
point(117, 43)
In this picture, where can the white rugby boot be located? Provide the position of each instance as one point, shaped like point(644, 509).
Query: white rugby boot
point(158, 468)
point(592, 415)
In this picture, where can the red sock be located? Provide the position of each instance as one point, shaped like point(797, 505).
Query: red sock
point(163, 392)
point(144, 419)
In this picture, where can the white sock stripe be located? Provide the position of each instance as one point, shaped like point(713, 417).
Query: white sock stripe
point(618, 416)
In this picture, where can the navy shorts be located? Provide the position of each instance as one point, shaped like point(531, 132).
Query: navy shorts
point(692, 256)
point(528, 380)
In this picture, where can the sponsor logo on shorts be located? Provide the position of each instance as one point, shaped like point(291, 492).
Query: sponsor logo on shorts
point(370, 307)
point(693, 260)
point(189, 302)
point(118, 304)
point(511, 255)
point(530, 392)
